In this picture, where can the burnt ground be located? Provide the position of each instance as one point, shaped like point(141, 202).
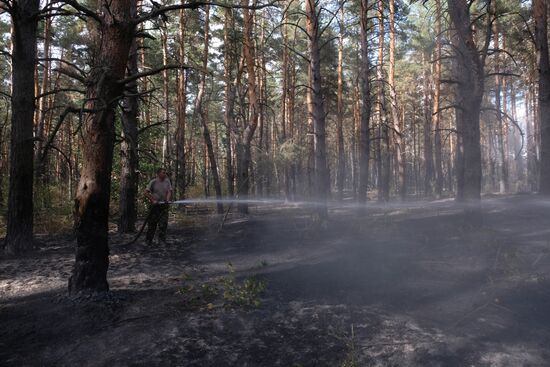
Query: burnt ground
point(406, 285)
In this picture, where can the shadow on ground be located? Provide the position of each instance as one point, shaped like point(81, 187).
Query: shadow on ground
point(412, 285)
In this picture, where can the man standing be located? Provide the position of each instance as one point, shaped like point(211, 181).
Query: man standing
point(159, 193)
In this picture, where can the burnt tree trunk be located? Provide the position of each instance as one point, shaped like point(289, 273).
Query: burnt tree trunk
point(19, 236)
point(129, 151)
point(115, 31)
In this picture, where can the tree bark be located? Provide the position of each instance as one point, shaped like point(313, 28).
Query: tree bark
point(428, 147)
point(202, 111)
point(229, 115)
point(503, 161)
point(540, 14)
point(167, 141)
point(383, 141)
point(318, 109)
point(114, 33)
point(364, 140)
point(129, 151)
point(39, 165)
point(341, 164)
point(397, 130)
point(244, 157)
point(436, 123)
point(181, 113)
point(468, 67)
point(19, 236)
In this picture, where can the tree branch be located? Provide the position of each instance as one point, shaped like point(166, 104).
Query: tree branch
point(158, 11)
point(131, 78)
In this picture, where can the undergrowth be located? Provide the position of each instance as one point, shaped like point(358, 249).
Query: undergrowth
point(227, 292)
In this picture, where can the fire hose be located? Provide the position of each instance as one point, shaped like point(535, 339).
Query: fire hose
point(146, 221)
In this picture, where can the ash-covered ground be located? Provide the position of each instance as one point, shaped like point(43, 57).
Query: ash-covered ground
point(415, 284)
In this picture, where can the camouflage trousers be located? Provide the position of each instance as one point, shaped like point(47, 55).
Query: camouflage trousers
point(157, 218)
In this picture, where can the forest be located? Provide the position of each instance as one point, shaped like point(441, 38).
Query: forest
point(274, 183)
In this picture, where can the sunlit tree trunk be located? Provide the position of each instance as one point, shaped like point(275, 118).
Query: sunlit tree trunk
point(503, 162)
point(396, 131)
point(115, 32)
point(166, 142)
point(341, 164)
point(43, 104)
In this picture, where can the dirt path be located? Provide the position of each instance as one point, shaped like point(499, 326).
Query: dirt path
point(407, 285)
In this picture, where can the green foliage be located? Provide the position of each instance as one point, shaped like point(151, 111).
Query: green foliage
point(351, 359)
point(244, 294)
point(232, 292)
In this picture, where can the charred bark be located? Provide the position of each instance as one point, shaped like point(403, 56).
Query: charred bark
point(19, 232)
point(114, 32)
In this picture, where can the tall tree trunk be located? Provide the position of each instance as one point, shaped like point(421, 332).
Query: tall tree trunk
point(540, 13)
point(181, 112)
point(3, 156)
point(428, 147)
point(42, 104)
point(129, 151)
point(383, 141)
point(355, 134)
point(229, 115)
point(284, 100)
point(341, 164)
point(202, 110)
point(115, 32)
point(503, 162)
point(469, 75)
point(318, 110)
point(436, 123)
point(364, 140)
point(166, 141)
point(19, 237)
point(396, 131)
point(244, 157)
